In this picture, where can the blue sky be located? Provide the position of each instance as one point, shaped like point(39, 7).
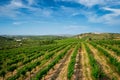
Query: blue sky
point(50, 17)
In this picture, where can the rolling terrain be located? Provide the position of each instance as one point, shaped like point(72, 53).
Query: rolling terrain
point(89, 56)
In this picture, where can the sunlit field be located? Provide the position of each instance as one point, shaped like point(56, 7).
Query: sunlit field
point(59, 58)
point(59, 39)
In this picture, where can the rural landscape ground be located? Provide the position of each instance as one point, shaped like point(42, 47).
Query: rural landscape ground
point(87, 56)
point(59, 39)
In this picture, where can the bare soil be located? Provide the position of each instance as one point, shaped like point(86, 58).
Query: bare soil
point(62, 75)
point(53, 73)
point(38, 68)
point(78, 69)
point(85, 65)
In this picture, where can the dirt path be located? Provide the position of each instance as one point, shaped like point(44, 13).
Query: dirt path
point(78, 71)
point(105, 66)
point(85, 65)
point(112, 53)
point(63, 72)
point(38, 68)
point(53, 73)
point(20, 65)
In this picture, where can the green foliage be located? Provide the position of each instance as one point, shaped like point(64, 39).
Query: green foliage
point(111, 59)
point(109, 45)
point(44, 71)
point(33, 57)
point(36, 51)
point(44, 42)
point(96, 70)
point(72, 63)
point(23, 70)
point(30, 66)
point(12, 68)
point(2, 73)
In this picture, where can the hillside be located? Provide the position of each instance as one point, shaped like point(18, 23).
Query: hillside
point(99, 36)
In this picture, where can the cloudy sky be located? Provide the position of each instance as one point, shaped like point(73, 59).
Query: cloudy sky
point(46, 17)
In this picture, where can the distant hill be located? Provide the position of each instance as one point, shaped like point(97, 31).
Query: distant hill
point(93, 36)
point(99, 36)
point(32, 37)
point(2, 38)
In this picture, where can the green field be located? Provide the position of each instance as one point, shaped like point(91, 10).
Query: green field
point(82, 57)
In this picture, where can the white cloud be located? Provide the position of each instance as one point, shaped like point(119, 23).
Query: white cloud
point(32, 2)
point(16, 3)
point(47, 13)
point(90, 3)
point(19, 22)
point(115, 11)
point(93, 16)
point(75, 14)
point(12, 9)
point(110, 18)
point(87, 3)
point(67, 11)
point(75, 27)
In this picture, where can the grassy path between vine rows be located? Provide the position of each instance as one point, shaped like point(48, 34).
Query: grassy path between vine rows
point(85, 65)
point(54, 72)
point(103, 62)
point(112, 53)
point(63, 73)
point(78, 69)
point(44, 63)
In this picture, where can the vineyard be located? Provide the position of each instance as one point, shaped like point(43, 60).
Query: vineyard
point(61, 59)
